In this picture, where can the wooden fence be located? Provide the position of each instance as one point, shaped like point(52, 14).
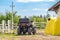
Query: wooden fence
point(7, 27)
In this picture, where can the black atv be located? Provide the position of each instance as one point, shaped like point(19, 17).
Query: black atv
point(25, 27)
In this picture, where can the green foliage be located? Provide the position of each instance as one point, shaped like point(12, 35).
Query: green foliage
point(2, 17)
point(36, 18)
point(16, 19)
point(45, 18)
point(48, 15)
point(40, 19)
point(8, 16)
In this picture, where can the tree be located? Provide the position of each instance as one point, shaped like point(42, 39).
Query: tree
point(15, 17)
point(40, 16)
point(2, 17)
point(25, 16)
point(45, 18)
point(48, 15)
point(8, 16)
point(36, 18)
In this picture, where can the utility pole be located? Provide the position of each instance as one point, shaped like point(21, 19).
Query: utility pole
point(12, 6)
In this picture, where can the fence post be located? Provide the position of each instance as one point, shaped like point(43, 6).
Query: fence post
point(34, 22)
point(9, 26)
point(3, 25)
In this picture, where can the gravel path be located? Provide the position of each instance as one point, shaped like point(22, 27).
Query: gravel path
point(36, 37)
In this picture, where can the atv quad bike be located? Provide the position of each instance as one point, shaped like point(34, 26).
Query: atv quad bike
point(25, 27)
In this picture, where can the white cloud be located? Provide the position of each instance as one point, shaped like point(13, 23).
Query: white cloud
point(38, 9)
point(33, 0)
point(24, 10)
point(51, 0)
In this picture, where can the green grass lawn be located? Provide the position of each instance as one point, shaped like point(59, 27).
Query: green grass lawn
point(8, 35)
point(13, 35)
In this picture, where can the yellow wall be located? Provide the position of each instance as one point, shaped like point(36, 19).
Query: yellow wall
point(50, 27)
point(57, 27)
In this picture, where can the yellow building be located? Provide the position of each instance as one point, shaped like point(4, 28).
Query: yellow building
point(53, 24)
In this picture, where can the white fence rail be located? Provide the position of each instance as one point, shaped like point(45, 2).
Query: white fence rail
point(40, 24)
point(7, 28)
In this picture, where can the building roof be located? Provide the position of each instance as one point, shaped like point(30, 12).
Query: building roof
point(54, 6)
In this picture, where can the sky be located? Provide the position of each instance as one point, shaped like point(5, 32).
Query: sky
point(28, 7)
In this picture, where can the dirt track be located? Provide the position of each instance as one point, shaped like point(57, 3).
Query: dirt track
point(38, 36)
